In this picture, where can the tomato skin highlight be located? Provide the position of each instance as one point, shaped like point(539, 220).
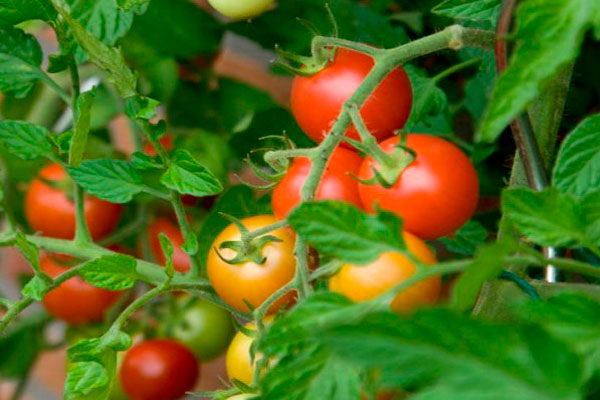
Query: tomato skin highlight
point(337, 182)
point(75, 301)
point(249, 281)
point(435, 195)
point(205, 329)
point(240, 9)
point(49, 211)
point(317, 100)
point(158, 369)
point(181, 260)
point(365, 282)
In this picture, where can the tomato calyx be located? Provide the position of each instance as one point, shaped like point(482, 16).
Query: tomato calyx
point(249, 248)
point(302, 65)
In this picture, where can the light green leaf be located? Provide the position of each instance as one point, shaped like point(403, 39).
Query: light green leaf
point(167, 248)
point(107, 58)
point(113, 272)
point(113, 180)
point(345, 232)
point(590, 209)
point(140, 107)
point(187, 176)
point(578, 161)
point(82, 127)
point(13, 12)
point(128, 5)
point(549, 35)
point(36, 288)
point(473, 10)
point(20, 60)
point(29, 250)
point(25, 140)
point(190, 246)
point(549, 218)
point(102, 18)
point(467, 239)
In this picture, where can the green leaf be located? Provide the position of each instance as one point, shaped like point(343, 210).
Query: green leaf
point(549, 218)
point(20, 60)
point(13, 12)
point(114, 180)
point(190, 246)
point(35, 288)
point(82, 127)
point(132, 4)
point(473, 360)
point(25, 140)
point(590, 210)
point(84, 377)
point(429, 98)
point(467, 239)
point(549, 35)
point(101, 18)
point(29, 250)
point(488, 264)
point(345, 232)
point(140, 107)
point(144, 162)
point(107, 58)
point(21, 344)
point(113, 272)
point(578, 161)
point(473, 10)
point(187, 176)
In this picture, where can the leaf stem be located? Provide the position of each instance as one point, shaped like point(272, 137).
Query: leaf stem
point(82, 232)
point(186, 231)
point(456, 68)
point(56, 87)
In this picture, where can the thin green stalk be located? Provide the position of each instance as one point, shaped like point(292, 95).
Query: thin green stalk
point(82, 232)
point(75, 82)
point(266, 229)
point(455, 68)
point(186, 231)
point(56, 87)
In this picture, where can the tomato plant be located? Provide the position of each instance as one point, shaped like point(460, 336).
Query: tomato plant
point(405, 204)
point(435, 195)
point(337, 182)
point(158, 369)
point(51, 212)
point(75, 301)
point(318, 99)
point(251, 280)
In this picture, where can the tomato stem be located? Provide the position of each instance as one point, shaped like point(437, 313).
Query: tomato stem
point(82, 232)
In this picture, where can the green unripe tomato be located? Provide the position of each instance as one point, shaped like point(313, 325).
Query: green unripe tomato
point(240, 9)
point(243, 396)
point(205, 329)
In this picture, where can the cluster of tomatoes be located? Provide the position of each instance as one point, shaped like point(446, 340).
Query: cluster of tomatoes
point(435, 195)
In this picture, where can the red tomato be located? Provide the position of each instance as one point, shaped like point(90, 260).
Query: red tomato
point(365, 282)
point(49, 211)
point(317, 100)
point(181, 260)
point(250, 282)
point(337, 182)
point(435, 195)
point(75, 301)
point(158, 369)
point(166, 142)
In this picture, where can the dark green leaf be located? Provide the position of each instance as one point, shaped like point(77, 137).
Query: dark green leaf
point(429, 99)
point(102, 18)
point(82, 127)
point(475, 10)
point(13, 12)
point(487, 265)
point(187, 176)
point(345, 232)
point(549, 34)
point(107, 58)
point(144, 162)
point(113, 180)
point(20, 60)
point(132, 4)
point(114, 272)
point(548, 218)
point(467, 239)
point(578, 161)
point(590, 210)
point(20, 345)
point(25, 140)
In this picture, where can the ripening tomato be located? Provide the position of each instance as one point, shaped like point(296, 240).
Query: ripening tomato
point(75, 301)
point(166, 142)
point(181, 260)
point(204, 328)
point(337, 182)
point(240, 9)
point(435, 195)
point(158, 369)
point(365, 282)
point(317, 100)
point(248, 281)
point(51, 212)
point(238, 361)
